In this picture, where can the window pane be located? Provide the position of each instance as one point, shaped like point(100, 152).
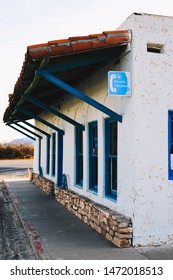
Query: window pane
point(53, 153)
point(80, 141)
point(80, 169)
point(171, 130)
point(113, 174)
point(94, 172)
point(79, 156)
point(48, 155)
point(113, 138)
point(93, 156)
point(95, 140)
point(111, 157)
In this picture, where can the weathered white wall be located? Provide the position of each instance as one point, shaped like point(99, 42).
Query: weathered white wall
point(144, 192)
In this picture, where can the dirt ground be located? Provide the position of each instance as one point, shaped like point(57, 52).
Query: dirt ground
point(14, 242)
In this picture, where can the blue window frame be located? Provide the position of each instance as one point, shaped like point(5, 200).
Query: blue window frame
point(170, 145)
point(60, 159)
point(48, 155)
point(111, 141)
point(79, 156)
point(39, 157)
point(93, 156)
point(53, 153)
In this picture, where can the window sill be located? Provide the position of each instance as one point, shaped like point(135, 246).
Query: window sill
point(93, 191)
point(79, 186)
point(111, 197)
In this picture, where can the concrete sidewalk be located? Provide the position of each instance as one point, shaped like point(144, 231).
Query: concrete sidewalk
point(56, 233)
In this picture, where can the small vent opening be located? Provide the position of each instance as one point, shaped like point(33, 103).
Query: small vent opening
point(155, 48)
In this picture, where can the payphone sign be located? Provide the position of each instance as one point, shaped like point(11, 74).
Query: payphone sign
point(119, 83)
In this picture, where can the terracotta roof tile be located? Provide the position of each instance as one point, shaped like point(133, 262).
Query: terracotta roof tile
point(96, 35)
point(77, 38)
point(79, 43)
point(98, 44)
point(61, 41)
point(60, 49)
point(115, 40)
point(115, 32)
point(76, 46)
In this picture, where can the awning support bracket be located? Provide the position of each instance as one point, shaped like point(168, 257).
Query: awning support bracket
point(28, 130)
point(78, 94)
point(31, 125)
point(36, 128)
point(53, 111)
point(28, 113)
point(10, 125)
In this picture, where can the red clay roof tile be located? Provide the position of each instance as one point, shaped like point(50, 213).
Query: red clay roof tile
point(96, 35)
point(79, 43)
point(98, 44)
point(77, 38)
point(61, 41)
point(56, 50)
point(81, 46)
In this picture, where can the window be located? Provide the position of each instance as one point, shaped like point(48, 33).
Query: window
point(170, 145)
point(93, 156)
point(111, 158)
point(53, 153)
point(79, 157)
point(48, 155)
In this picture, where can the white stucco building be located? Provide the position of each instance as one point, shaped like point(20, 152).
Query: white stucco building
point(112, 149)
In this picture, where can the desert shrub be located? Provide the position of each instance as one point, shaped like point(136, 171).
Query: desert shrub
point(16, 151)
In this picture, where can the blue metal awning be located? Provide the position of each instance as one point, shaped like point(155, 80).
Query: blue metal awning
point(11, 125)
point(53, 111)
point(26, 112)
point(78, 94)
point(53, 68)
point(36, 128)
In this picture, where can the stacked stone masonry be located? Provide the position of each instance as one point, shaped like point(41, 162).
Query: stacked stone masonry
point(43, 183)
point(114, 226)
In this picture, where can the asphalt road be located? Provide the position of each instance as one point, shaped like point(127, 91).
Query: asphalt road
point(11, 168)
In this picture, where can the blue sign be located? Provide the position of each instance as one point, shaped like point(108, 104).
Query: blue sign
point(119, 83)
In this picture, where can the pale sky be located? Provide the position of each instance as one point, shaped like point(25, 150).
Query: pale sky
point(27, 22)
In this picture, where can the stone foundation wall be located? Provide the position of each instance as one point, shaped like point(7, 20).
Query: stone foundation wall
point(43, 183)
point(112, 225)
